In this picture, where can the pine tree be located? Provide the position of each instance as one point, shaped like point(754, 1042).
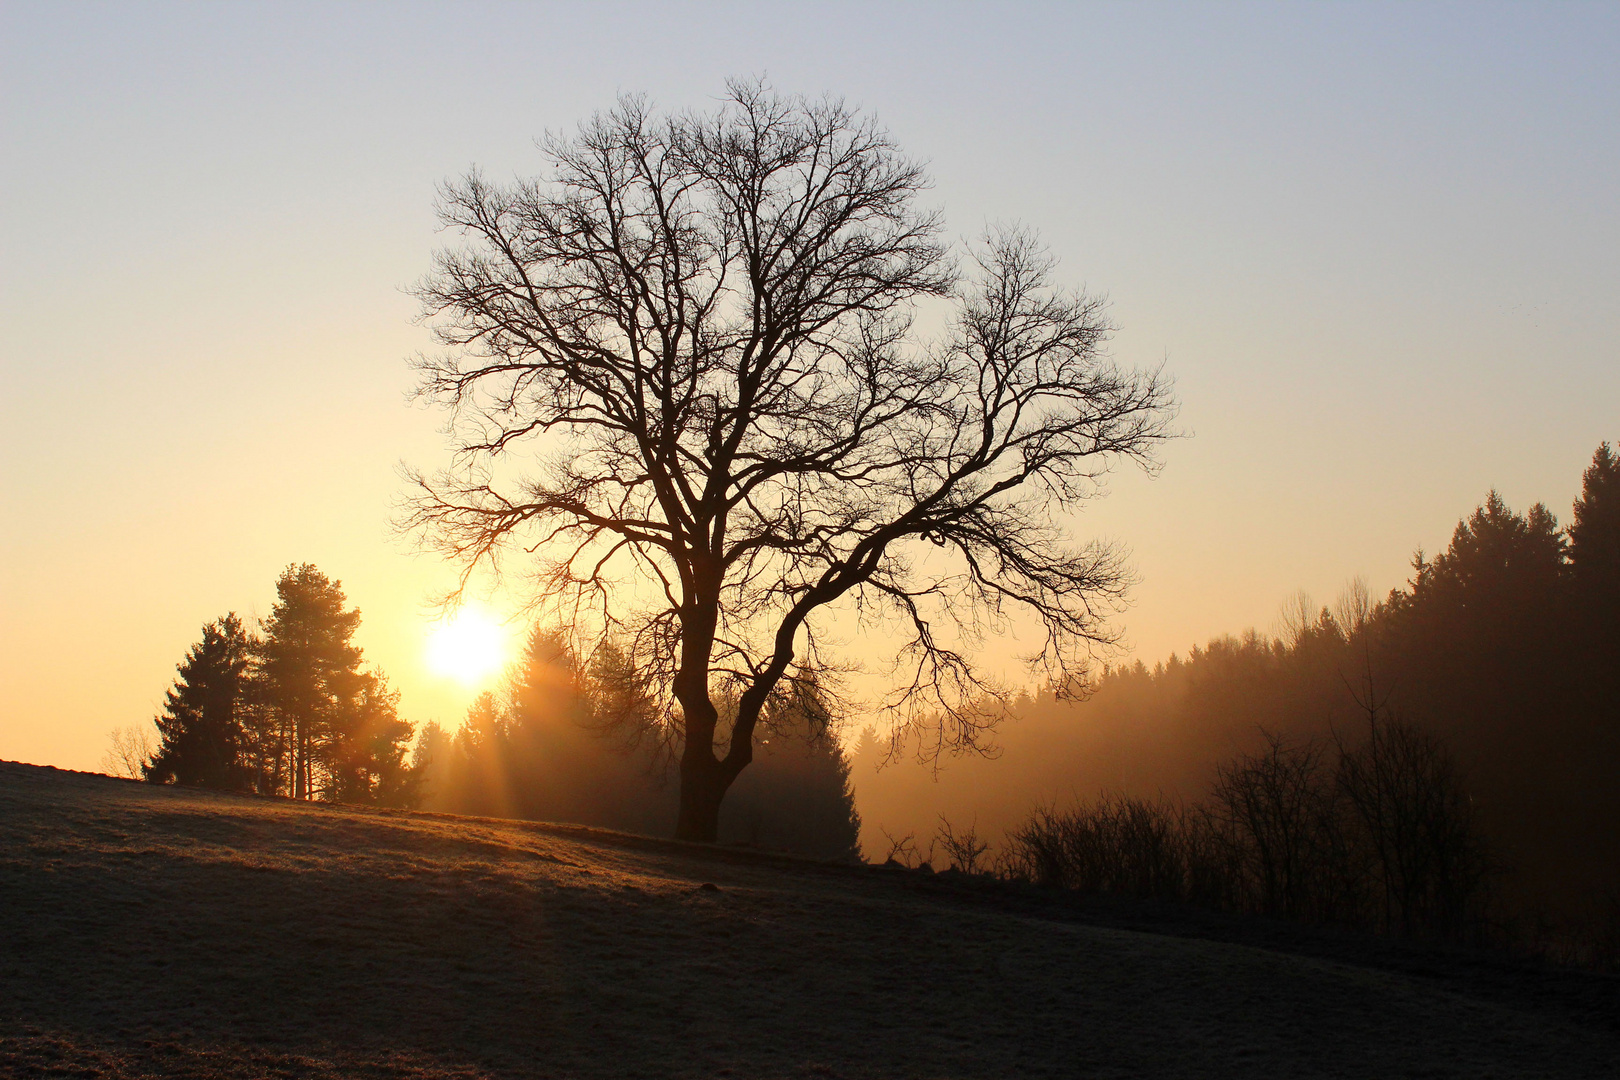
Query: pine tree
point(333, 729)
point(483, 746)
point(368, 752)
point(201, 722)
point(1594, 534)
point(585, 742)
point(582, 743)
point(435, 766)
point(1594, 577)
point(1481, 636)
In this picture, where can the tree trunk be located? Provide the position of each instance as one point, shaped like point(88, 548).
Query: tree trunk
point(702, 787)
point(298, 760)
point(703, 780)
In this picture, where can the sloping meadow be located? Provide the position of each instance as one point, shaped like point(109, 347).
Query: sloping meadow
point(150, 931)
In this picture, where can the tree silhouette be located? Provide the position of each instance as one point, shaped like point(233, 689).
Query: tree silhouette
point(368, 754)
point(1594, 579)
point(330, 729)
point(1594, 532)
point(798, 794)
point(702, 334)
point(1594, 571)
point(201, 722)
point(566, 763)
point(1482, 633)
point(572, 740)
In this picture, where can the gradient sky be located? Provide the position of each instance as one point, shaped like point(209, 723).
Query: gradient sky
point(1377, 247)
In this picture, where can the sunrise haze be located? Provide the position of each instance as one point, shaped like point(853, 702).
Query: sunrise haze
point(1377, 248)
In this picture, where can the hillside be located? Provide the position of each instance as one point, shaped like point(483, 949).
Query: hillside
point(157, 931)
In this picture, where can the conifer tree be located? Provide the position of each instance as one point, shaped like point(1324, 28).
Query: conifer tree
point(201, 722)
point(1594, 534)
point(1594, 573)
point(581, 747)
point(334, 728)
point(585, 741)
point(800, 796)
point(368, 751)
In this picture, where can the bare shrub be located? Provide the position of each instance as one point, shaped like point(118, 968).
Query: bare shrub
point(1602, 936)
point(902, 850)
point(963, 846)
point(1116, 844)
point(1380, 834)
point(132, 748)
point(1430, 866)
point(1277, 812)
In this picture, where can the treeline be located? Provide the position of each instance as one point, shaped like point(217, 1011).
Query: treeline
point(1502, 653)
point(287, 710)
point(577, 740)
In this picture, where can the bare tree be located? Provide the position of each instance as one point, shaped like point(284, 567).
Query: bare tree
point(699, 334)
point(1297, 618)
point(963, 845)
point(1432, 866)
point(1354, 608)
point(1277, 811)
point(131, 750)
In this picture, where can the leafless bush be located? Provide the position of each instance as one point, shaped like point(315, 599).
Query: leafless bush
point(1380, 834)
point(1599, 945)
point(902, 851)
point(1430, 867)
point(963, 846)
point(1278, 815)
point(1590, 940)
point(1117, 845)
point(131, 749)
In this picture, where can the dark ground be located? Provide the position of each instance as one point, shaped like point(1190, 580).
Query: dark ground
point(163, 932)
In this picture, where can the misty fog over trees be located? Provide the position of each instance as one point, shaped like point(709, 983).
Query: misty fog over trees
point(1502, 652)
point(289, 711)
point(1432, 762)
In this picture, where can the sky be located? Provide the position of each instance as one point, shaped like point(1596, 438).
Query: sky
point(1377, 247)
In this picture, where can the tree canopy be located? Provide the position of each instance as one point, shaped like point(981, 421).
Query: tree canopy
point(687, 380)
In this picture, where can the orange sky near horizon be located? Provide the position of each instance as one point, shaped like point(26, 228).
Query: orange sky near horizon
point(1376, 248)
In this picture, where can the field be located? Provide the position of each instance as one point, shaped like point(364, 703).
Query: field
point(163, 932)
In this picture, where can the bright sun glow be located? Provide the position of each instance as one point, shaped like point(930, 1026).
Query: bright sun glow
point(469, 647)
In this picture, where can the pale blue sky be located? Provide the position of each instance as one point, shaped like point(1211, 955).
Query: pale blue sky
point(1377, 246)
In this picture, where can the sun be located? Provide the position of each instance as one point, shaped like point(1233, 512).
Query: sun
point(469, 647)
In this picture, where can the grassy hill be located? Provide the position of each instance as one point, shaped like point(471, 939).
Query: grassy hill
point(157, 931)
